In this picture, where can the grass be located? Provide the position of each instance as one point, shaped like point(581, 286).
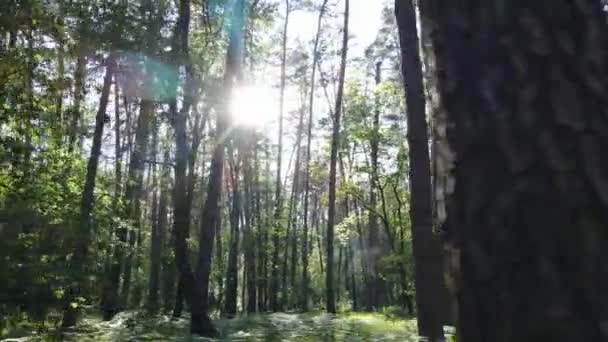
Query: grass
point(308, 327)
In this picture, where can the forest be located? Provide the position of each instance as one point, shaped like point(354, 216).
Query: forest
point(303, 170)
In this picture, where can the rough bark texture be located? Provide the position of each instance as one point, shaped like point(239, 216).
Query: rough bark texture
point(335, 141)
point(439, 176)
point(427, 249)
point(524, 87)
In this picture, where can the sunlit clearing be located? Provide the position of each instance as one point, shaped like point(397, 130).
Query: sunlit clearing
point(253, 106)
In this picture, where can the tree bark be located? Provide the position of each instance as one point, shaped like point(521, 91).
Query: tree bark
point(427, 249)
point(526, 198)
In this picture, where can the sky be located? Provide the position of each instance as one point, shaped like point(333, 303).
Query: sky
point(364, 23)
point(365, 19)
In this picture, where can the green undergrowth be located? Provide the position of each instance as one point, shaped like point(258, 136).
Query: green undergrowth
point(136, 326)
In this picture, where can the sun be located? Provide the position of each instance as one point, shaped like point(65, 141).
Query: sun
point(254, 106)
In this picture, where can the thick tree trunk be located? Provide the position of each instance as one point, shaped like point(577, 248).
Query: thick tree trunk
point(311, 98)
point(335, 141)
point(524, 89)
point(79, 260)
point(427, 249)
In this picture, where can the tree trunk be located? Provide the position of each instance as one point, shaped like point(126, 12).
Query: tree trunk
point(232, 270)
point(274, 281)
point(211, 210)
point(261, 227)
point(60, 92)
point(311, 98)
point(134, 192)
point(427, 249)
point(200, 324)
point(168, 271)
point(79, 260)
point(248, 234)
point(79, 85)
point(155, 243)
point(290, 238)
point(527, 192)
point(374, 282)
point(331, 211)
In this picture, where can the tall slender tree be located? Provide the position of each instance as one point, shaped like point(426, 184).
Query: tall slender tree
point(427, 248)
point(200, 323)
point(211, 209)
point(311, 99)
point(335, 141)
point(230, 306)
point(274, 282)
point(79, 259)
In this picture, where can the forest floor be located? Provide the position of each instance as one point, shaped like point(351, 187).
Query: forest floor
point(134, 326)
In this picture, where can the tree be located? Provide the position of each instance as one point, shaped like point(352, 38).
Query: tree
point(86, 205)
point(305, 248)
point(200, 323)
point(427, 252)
point(235, 218)
point(274, 282)
point(156, 237)
point(374, 282)
point(331, 211)
point(525, 132)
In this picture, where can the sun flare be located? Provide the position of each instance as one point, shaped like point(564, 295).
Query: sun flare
point(253, 105)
